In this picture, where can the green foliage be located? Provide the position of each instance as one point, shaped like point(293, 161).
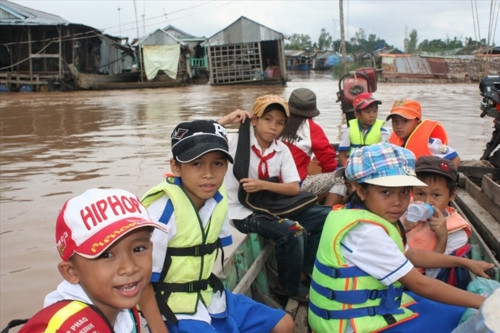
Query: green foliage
point(411, 43)
point(324, 40)
point(299, 42)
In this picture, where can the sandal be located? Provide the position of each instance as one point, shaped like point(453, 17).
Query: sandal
point(302, 295)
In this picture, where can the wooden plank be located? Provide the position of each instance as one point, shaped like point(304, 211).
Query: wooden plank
point(244, 285)
point(491, 189)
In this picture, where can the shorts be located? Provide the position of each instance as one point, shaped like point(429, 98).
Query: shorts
point(243, 314)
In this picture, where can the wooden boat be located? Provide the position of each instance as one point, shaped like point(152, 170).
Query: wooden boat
point(250, 264)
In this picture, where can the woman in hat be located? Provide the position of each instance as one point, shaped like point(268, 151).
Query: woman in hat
point(306, 138)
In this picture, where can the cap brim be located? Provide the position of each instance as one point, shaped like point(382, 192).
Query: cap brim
point(367, 103)
point(193, 147)
point(396, 181)
point(201, 150)
point(402, 114)
point(106, 237)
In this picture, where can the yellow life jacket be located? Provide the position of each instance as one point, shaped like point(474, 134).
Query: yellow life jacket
point(187, 274)
point(359, 139)
point(340, 294)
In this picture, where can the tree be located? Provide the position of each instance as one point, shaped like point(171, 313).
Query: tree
point(411, 43)
point(299, 42)
point(324, 40)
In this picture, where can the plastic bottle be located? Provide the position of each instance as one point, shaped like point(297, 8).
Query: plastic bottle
point(418, 212)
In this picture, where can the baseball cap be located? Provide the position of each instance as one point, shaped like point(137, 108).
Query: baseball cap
point(90, 223)
point(437, 165)
point(363, 101)
point(262, 102)
point(383, 164)
point(192, 139)
point(302, 102)
point(406, 108)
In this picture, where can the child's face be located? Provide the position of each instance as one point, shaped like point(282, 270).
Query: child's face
point(367, 116)
point(268, 127)
point(115, 280)
point(203, 177)
point(436, 193)
point(387, 202)
point(403, 127)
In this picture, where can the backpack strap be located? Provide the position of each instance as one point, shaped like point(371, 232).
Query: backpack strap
point(13, 323)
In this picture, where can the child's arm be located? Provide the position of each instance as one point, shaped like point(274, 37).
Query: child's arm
point(429, 259)
point(252, 185)
point(237, 116)
point(151, 312)
point(343, 157)
point(439, 291)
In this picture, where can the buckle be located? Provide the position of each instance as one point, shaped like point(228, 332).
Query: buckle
point(373, 294)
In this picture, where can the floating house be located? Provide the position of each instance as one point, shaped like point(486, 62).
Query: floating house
point(299, 60)
point(246, 52)
point(44, 51)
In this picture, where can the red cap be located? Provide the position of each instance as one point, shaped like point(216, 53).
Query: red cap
point(363, 101)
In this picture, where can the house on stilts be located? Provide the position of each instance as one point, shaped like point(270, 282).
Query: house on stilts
point(246, 52)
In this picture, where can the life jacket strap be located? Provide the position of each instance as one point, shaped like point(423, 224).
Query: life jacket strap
point(339, 272)
point(197, 250)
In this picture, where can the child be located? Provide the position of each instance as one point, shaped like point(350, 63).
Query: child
point(304, 137)
point(447, 231)
point(296, 238)
point(103, 238)
point(363, 263)
point(423, 137)
point(193, 205)
point(365, 130)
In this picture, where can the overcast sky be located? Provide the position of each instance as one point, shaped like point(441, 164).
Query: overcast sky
point(391, 20)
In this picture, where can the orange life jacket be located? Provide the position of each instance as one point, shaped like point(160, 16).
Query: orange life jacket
point(421, 134)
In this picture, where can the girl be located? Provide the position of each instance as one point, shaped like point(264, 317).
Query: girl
point(363, 263)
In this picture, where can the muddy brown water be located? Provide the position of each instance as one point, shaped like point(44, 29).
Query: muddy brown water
point(56, 145)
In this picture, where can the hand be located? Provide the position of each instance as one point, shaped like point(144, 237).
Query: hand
point(437, 223)
point(237, 116)
point(251, 185)
point(479, 267)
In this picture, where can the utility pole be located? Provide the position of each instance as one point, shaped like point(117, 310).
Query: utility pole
point(342, 38)
point(119, 21)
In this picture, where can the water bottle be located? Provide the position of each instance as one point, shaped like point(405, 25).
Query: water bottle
point(418, 212)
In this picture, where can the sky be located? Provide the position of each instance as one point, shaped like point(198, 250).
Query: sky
point(392, 20)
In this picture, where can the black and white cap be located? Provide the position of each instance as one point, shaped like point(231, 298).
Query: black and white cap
point(190, 140)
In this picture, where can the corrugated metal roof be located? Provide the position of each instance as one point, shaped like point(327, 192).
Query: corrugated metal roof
point(14, 14)
point(243, 30)
point(159, 37)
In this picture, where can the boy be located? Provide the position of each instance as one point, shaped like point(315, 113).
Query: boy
point(447, 231)
point(296, 238)
point(193, 205)
point(365, 130)
point(363, 264)
point(422, 137)
point(103, 238)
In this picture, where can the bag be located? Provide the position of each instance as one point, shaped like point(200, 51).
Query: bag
point(265, 201)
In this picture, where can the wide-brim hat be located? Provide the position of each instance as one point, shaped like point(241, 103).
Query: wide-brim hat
point(191, 140)
point(302, 102)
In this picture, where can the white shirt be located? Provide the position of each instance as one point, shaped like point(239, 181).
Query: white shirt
point(281, 164)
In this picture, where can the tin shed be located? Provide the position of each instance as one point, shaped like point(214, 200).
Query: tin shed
point(246, 52)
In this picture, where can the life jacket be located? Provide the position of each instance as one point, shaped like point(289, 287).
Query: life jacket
point(187, 275)
point(340, 293)
point(358, 139)
point(421, 134)
point(69, 316)
point(422, 237)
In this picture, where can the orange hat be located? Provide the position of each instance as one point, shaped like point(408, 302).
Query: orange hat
point(262, 102)
point(406, 108)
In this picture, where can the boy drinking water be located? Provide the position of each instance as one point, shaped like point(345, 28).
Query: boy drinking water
point(447, 231)
point(193, 205)
point(103, 238)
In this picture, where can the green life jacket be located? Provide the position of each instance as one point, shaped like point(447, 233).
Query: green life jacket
point(187, 273)
point(358, 139)
point(340, 294)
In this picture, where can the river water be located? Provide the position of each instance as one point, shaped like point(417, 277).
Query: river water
point(56, 145)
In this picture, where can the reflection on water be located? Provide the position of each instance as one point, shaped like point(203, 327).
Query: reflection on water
point(56, 145)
